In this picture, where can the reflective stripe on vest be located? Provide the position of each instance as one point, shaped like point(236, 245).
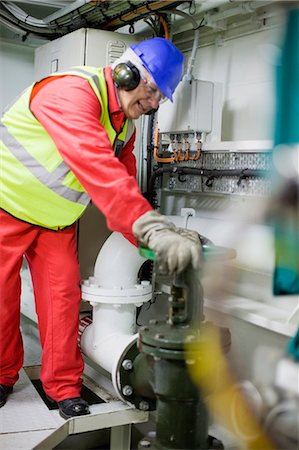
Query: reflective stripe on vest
point(53, 180)
point(46, 192)
point(124, 136)
point(93, 76)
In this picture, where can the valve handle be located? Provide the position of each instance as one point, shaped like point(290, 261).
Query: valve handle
point(209, 251)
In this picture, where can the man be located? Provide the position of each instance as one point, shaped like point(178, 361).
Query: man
point(67, 140)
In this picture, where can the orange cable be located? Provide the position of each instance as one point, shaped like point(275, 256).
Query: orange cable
point(165, 26)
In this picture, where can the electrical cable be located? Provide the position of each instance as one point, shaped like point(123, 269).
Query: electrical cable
point(165, 26)
point(196, 27)
point(25, 19)
point(150, 22)
point(139, 11)
point(209, 173)
point(13, 27)
point(70, 20)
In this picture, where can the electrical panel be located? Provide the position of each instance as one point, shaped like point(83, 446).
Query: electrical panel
point(88, 47)
point(191, 109)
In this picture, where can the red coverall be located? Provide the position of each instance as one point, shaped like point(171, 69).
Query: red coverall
point(69, 110)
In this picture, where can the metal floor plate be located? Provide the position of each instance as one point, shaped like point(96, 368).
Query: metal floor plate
point(26, 423)
point(25, 419)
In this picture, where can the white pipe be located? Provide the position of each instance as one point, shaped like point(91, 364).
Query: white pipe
point(191, 61)
point(210, 5)
point(114, 294)
point(188, 75)
point(118, 263)
point(107, 352)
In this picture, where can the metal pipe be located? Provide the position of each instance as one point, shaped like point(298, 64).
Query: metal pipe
point(188, 75)
point(181, 417)
point(114, 293)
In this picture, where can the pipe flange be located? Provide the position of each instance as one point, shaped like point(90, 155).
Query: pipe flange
point(124, 380)
point(137, 294)
point(165, 341)
point(168, 341)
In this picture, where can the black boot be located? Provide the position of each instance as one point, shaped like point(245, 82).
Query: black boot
point(4, 393)
point(72, 407)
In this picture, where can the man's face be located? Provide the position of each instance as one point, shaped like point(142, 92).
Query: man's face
point(140, 100)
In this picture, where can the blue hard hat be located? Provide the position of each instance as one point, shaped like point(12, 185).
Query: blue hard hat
point(163, 60)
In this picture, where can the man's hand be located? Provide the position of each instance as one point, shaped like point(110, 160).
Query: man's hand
point(174, 251)
point(194, 236)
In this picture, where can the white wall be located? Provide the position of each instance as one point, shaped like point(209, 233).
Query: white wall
point(17, 63)
point(246, 68)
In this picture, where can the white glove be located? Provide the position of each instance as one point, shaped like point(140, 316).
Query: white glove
point(194, 236)
point(174, 252)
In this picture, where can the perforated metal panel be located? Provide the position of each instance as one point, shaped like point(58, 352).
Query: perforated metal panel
point(249, 186)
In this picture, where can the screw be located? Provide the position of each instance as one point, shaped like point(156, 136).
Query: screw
point(153, 322)
point(189, 362)
point(190, 338)
point(127, 390)
point(159, 336)
point(143, 405)
point(144, 443)
point(127, 364)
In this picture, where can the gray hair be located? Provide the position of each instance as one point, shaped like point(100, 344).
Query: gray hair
point(130, 55)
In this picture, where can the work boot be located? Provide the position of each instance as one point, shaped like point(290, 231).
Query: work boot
point(4, 393)
point(73, 407)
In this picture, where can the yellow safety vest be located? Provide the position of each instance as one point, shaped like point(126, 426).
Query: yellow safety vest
point(36, 185)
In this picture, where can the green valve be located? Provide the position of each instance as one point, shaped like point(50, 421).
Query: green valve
point(147, 253)
point(217, 252)
point(209, 251)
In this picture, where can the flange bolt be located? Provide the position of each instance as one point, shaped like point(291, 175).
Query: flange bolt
point(143, 405)
point(127, 390)
point(144, 443)
point(127, 364)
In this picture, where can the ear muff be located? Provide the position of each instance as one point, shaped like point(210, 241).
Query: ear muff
point(126, 76)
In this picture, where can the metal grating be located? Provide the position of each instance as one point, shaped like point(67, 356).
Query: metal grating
point(249, 186)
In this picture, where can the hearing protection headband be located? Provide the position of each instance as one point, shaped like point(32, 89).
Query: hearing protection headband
point(126, 76)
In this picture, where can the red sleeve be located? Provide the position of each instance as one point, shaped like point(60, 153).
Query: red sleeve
point(69, 110)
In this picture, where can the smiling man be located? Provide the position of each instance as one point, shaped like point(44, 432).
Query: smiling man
point(69, 139)
point(141, 79)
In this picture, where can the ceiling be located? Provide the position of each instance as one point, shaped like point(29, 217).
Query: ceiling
point(45, 19)
point(32, 21)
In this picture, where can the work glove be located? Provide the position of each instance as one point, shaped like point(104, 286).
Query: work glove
point(174, 252)
point(194, 236)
